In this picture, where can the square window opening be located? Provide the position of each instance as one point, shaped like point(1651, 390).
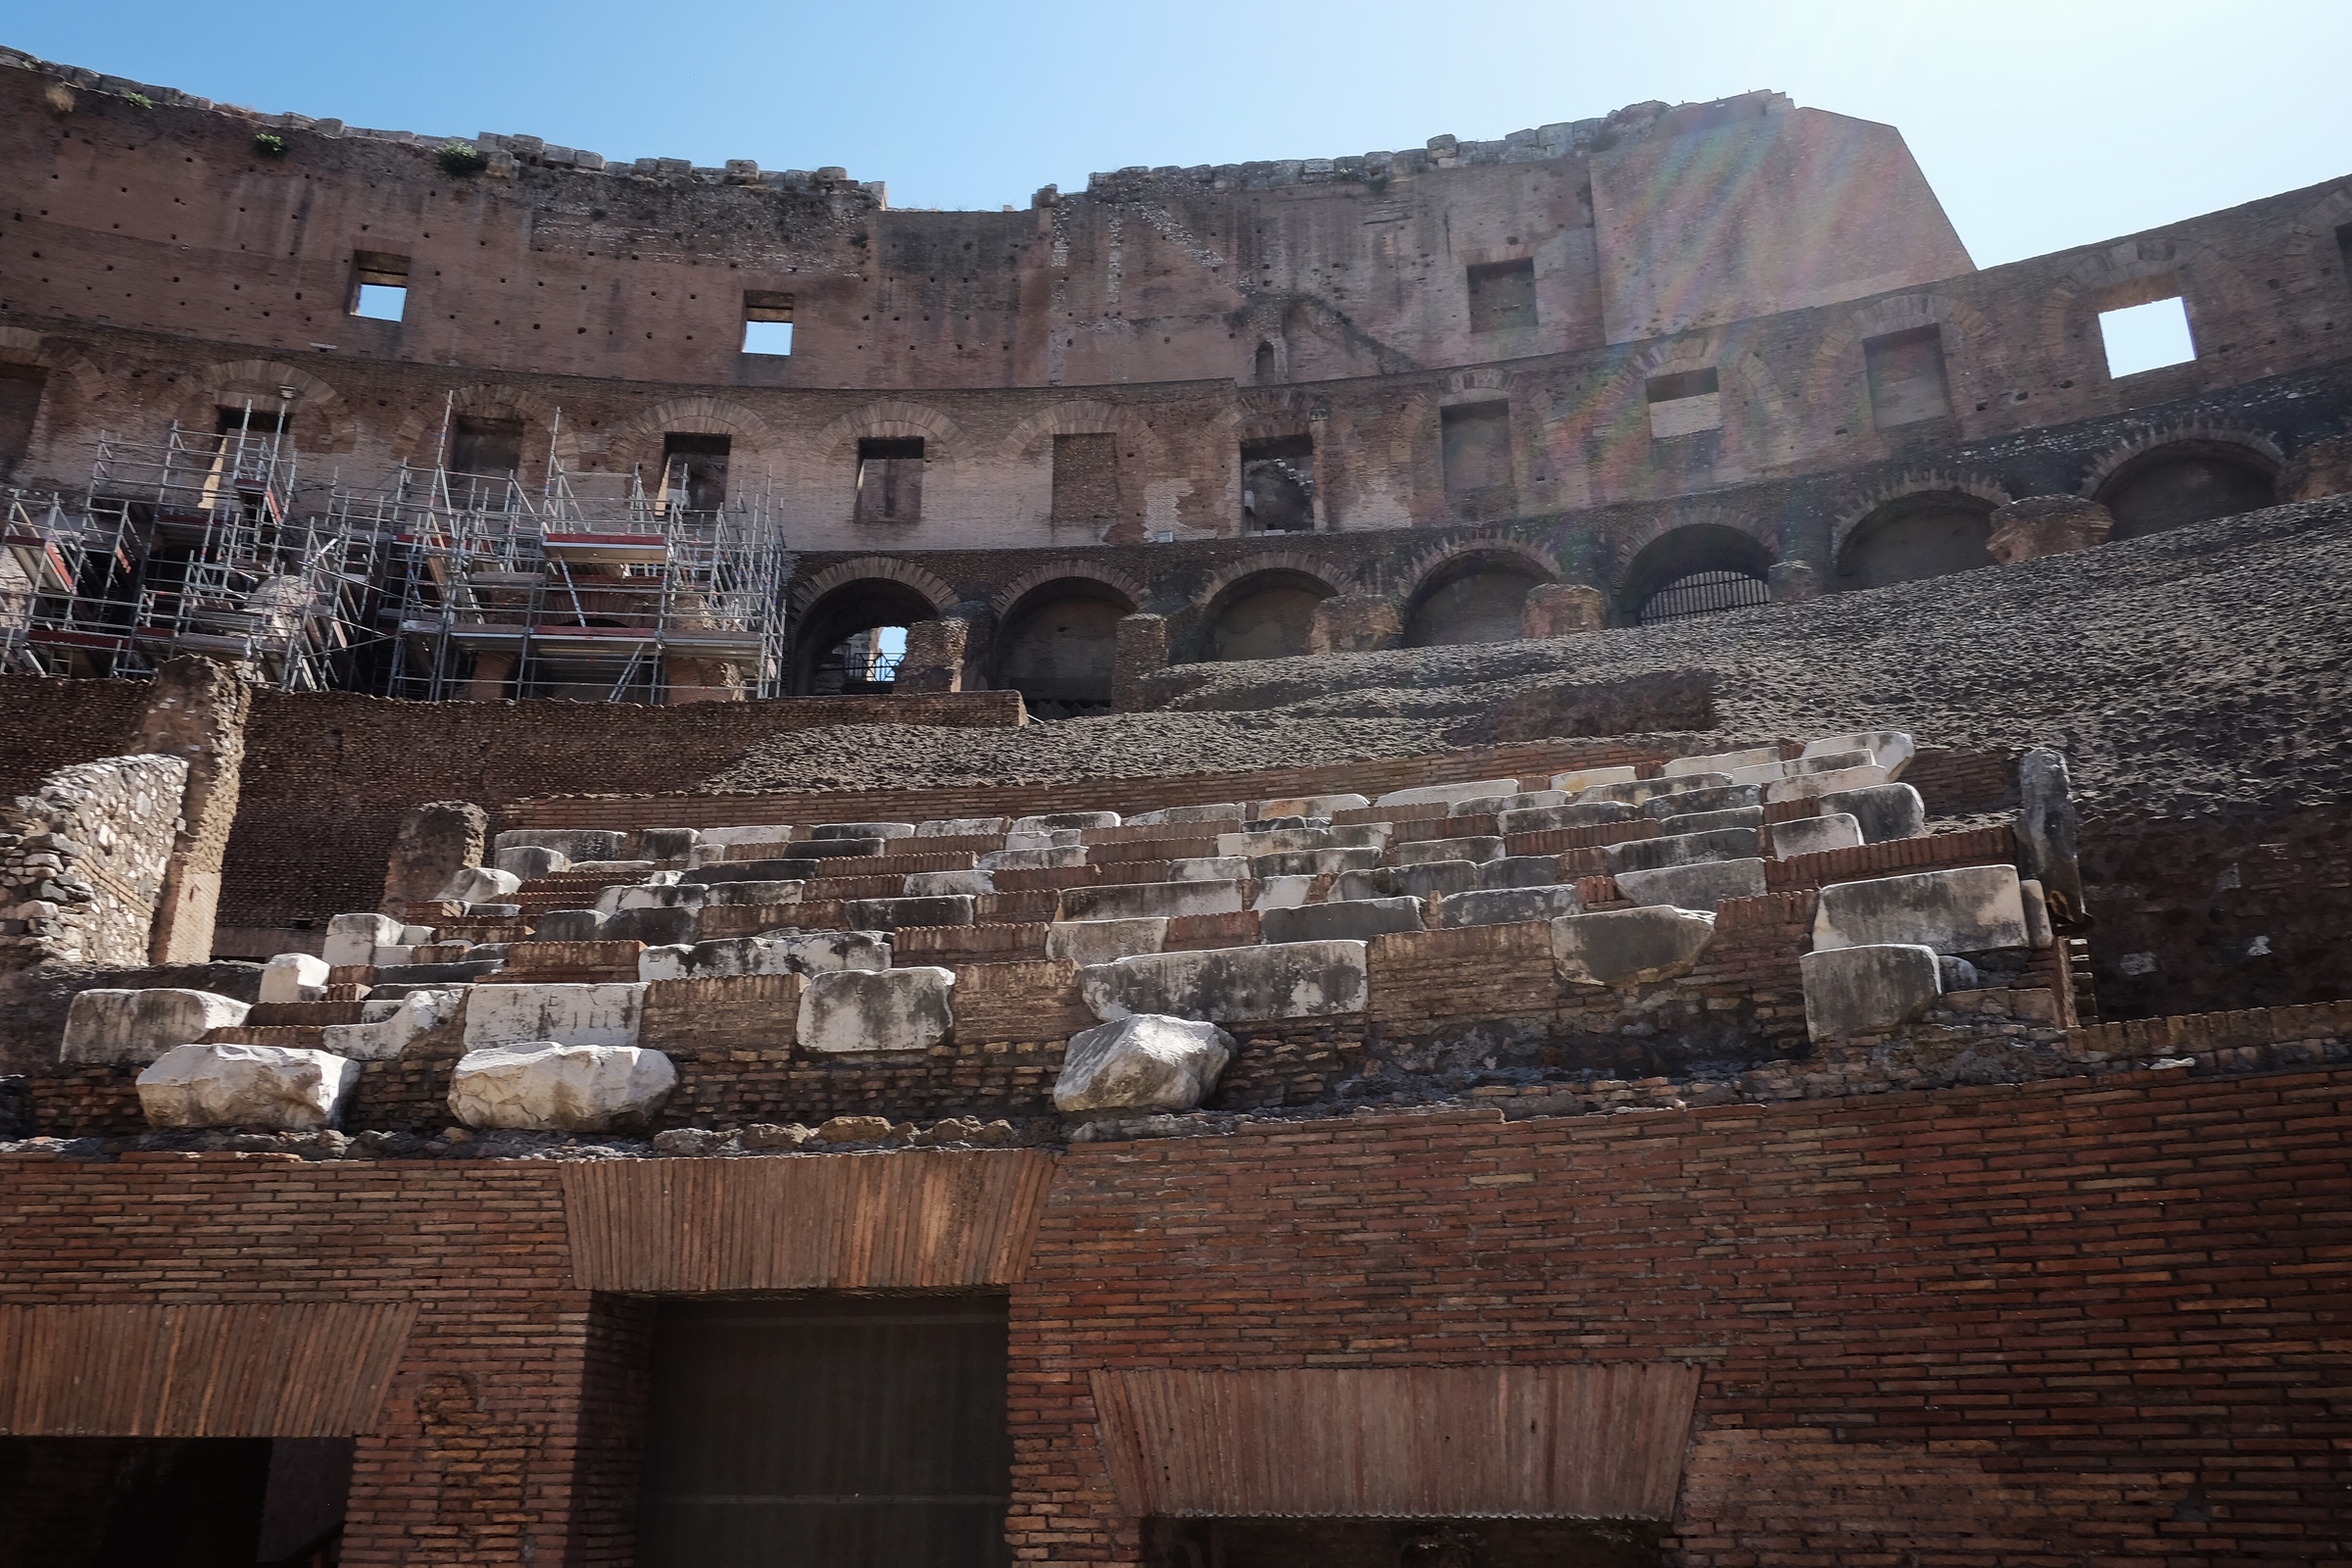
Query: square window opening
point(2147, 337)
point(1905, 371)
point(379, 285)
point(766, 321)
point(1685, 403)
point(1502, 295)
point(1277, 484)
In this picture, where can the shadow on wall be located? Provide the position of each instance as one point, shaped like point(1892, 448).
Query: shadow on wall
point(1483, 600)
point(1267, 614)
point(1058, 644)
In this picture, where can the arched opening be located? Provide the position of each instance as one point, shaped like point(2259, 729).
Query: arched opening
point(1702, 570)
point(2184, 483)
point(1261, 368)
point(1267, 614)
point(1916, 536)
point(849, 642)
point(1480, 599)
point(1058, 646)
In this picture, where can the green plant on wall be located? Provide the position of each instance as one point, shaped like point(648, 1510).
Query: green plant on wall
point(270, 145)
point(139, 100)
point(463, 157)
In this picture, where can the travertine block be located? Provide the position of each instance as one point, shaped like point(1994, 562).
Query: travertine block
point(1141, 1063)
point(1721, 761)
point(1683, 848)
point(1049, 821)
point(1420, 851)
point(1325, 806)
point(1836, 781)
point(1355, 920)
point(606, 1015)
point(1889, 748)
point(1813, 835)
point(890, 1010)
point(800, 953)
point(544, 1086)
point(1447, 794)
point(1884, 812)
point(269, 1087)
point(352, 939)
point(1968, 908)
point(1505, 906)
point(387, 1027)
point(1085, 942)
point(1226, 985)
point(1699, 886)
point(946, 884)
point(1576, 781)
point(294, 977)
point(1630, 947)
point(113, 1027)
point(1868, 989)
point(1129, 901)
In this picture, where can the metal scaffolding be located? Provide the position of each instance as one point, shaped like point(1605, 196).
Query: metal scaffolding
point(187, 545)
point(589, 587)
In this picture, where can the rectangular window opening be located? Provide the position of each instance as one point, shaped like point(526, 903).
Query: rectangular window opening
point(1277, 484)
point(1086, 477)
point(2147, 337)
point(890, 479)
point(693, 471)
point(1476, 441)
point(1685, 403)
point(492, 448)
point(766, 321)
point(379, 285)
point(1503, 296)
point(1905, 370)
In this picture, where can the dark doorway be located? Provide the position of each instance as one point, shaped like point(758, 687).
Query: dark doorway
point(173, 1503)
point(21, 388)
point(828, 1432)
point(1278, 485)
point(485, 446)
point(1402, 1543)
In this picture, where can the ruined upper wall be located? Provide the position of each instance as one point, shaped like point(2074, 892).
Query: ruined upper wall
point(163, 216)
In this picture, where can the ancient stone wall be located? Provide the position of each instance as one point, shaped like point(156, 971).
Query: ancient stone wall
point(83, 860)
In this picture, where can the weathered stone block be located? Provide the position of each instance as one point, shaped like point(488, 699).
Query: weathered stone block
point(1747, 816)
point(961, 828)
point(1059, 838)
point(1519, 871)
point(1142, 1062)
point(1816, 835)
point(1324, 806)
point(352, 939)
point(1031, 860)
point(753, 892)
point(2046, 826)
point(1640, 791)
point(112, 1027)
point(567, 925)
point(1421, 851)
point(388, 1026)
point(1447, 794)
point(1889, 748)
point(1504, 906)
point(1721, 761)
point(666, 843)
point(1312, 863)
point(800, 953)
point(574, 844)
point(1718, 798)
point(1210, 868)
point(1699, 886)
point(269, 1087)
point(294, 977)
point(1430, 878)
point(1085, 942)
point(1868, 989)
point(1683, 849)
point(1562, 609)
point(655, 927)
point(1229, 985)
point(1885, 812)
point(1836, 781)
point(890, 1010)
point(1050, 820)
point(2038, 930)
point(748, 833)
point(1284, 893)
point(655, 896)
point(946, 884)
point(1630, 947)
point(1216, 812)
point(528, 863)
point(434, 843)
point(478, 884)
point(2034, 527)
point(1495, 805)
point(889, 914)
point(1586, 813)
point(576, 1015)
point(544, 1086)
point(1353, 920)
point(1576, 781)
point(862, 830)
point(1130, 900)
point(1970, 909)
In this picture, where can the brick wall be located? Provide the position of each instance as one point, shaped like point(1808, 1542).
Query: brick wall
point(49, 724)
point(2054, 1322)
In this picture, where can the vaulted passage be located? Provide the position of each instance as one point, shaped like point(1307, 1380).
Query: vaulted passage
point(2185, 482)
point(827, 1431)
point(171, 1502)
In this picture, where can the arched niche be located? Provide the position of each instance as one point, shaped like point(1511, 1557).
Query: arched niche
point(1267, 614)
point(824, 653)
point(1476, 597)
point(2181, 482)
point(1927, 534)
point(1058, 645)
point(1702, 569)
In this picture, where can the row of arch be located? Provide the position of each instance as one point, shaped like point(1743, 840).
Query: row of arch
point(1055, 628)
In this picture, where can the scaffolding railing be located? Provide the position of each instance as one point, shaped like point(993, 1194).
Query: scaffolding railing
point(186, 545)
point(590, 586)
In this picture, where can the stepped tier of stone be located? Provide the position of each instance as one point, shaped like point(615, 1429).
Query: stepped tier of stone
point(1772, 921)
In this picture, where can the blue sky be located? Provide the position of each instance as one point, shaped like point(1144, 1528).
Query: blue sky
point(2041, 126)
